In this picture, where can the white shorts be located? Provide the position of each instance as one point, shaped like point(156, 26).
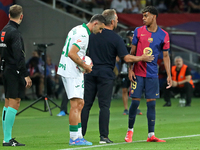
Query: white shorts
point(74, 87)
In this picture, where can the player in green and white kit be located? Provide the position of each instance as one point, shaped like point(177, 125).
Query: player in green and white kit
point(75, 46)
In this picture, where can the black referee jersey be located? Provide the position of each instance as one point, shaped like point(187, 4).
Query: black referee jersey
point(12, 48)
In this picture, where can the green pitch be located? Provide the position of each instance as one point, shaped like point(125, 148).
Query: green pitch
point(179, 126)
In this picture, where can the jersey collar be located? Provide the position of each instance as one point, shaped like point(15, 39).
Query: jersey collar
point(152, 32)
point(85, 26)
point(16, 25)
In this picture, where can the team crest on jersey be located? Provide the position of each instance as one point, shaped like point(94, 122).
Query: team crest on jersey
point(132, 91)
point(78, 41)
point(148, 51)
point(150, 40)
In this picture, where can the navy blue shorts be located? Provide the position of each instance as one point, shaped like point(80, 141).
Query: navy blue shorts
point(150, 86)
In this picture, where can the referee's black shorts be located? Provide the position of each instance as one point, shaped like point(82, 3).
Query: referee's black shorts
point(14, 84)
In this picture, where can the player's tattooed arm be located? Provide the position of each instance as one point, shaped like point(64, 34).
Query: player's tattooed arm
point(73, 54)
point(81, 61)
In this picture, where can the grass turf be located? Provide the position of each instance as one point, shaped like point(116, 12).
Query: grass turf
point(38, 130)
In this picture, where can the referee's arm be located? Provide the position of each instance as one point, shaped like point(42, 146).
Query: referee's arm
point(19, 54)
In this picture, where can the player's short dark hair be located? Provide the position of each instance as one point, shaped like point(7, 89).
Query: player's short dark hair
point(150, 9)
point(99, 18)
point(109, 15)
point(15, 11)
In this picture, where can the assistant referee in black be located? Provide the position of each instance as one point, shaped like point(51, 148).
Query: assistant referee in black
point(15, 75)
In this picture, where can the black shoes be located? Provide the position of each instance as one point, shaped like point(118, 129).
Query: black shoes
point(104, 140)
point(13, 142)
point(168, 104)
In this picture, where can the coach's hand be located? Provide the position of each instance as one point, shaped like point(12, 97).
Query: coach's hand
point(147, 58)
point(28, 82)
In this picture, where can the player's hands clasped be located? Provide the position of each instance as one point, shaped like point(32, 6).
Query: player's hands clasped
point(28, 82)
point(147, 58)
point(88, 68)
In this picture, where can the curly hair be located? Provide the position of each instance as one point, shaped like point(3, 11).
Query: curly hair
point(150, 9)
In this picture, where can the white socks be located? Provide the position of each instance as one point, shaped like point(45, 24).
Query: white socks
point(150, 134)
point(130, 129)
point(80, 136)
point(73, 135)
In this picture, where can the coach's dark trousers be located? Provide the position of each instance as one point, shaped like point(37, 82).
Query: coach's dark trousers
point(64, 103)
point(186, 91)
point(101, 87)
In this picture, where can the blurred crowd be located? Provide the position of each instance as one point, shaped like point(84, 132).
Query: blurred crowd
point(36, 67)
point(133, 6)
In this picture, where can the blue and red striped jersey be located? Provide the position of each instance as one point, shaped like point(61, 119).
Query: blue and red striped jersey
point(152, 43)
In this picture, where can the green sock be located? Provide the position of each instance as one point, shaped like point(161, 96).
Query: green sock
point(79, 125)
point(9, 121)
point(3, 117)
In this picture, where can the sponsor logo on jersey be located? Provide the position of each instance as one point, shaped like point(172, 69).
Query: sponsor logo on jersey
point(78, 41)
point(3, 33)
point(150, 40)
point(63, 66)
point(148, 51)
point(83, 35)
point(2, 39)
point(143, 34)
point(2, 36)
point(3, 45)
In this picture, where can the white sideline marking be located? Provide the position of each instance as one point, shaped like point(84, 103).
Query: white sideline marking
point(178, 137)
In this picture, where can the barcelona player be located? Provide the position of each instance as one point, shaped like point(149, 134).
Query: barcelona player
point(150, 39)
